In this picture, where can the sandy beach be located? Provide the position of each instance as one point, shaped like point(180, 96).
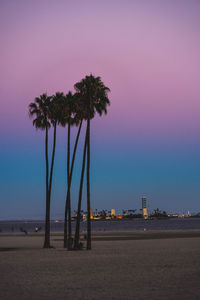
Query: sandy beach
point(121, 265)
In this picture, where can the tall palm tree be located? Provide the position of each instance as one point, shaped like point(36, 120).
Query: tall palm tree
point(68, 238)
point(55, 116)
point(78, 115)
point(40, 109)
point(70, 117)
point(82, 115)
point(77, 232)
point(93, 92)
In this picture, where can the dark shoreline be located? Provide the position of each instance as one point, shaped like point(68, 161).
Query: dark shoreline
point(119, 235)
point(105, 225)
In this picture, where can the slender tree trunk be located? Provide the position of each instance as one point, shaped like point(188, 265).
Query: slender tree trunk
point(68, 196)
point(74, 152)
point(88, 187)
point(69, 243)
point(69, 186)
point(52, 163)
point(47, 217)
point(68, 180)
point(65, 226)
point(77, 233)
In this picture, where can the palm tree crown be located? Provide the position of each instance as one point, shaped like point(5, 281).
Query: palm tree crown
point(40, 109)
point(55, 111)
point(93, 92)
point(67, 109)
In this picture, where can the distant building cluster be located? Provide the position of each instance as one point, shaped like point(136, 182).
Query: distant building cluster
point(131, 213)
point(111, 214)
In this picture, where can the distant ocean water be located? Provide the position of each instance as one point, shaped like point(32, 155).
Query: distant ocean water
point(108, 225)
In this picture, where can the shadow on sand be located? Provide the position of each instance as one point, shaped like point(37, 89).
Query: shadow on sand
point(9, 249)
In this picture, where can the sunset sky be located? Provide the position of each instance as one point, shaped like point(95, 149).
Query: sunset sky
point(147, 53)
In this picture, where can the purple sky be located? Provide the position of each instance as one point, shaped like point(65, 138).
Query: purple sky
point(147, 53)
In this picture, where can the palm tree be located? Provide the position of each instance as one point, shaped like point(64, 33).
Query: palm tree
point(71, 116)
point(93, 93)
point(40, 109)
point(67, 119)
point(55, 116)
point(77, 232)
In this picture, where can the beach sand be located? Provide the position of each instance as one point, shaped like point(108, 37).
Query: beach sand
point(121, 265)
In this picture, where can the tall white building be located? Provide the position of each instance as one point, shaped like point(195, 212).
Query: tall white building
point(144, 208)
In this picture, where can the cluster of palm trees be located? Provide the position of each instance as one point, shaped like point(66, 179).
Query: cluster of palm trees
point(90, 97)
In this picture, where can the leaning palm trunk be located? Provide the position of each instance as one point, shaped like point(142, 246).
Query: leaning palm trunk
point(67, 238)
point(77, 233)
point(49, 188)
point(69, 187)
point(52, 162)
point(68, 180)
point(47, 217)
point(88, 188)
point(68, 174)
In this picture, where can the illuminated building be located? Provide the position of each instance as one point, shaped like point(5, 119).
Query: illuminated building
point(113, 214)
point(91, 214)
point(144, 208)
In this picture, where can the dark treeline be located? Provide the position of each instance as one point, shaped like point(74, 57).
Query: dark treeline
point(90, 97)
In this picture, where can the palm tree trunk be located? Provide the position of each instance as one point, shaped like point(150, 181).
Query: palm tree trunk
point(88, 187)
point(52, 162)
point(47, 216)
point(68, 198)
point(69, 194)
point(69, 243)
point(75, 147)
point(77, 233)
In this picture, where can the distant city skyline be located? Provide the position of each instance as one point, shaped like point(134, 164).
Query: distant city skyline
point(147, 53)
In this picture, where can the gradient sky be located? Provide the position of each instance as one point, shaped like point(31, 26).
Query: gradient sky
point(147, 53)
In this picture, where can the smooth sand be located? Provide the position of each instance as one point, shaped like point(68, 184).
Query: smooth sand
point(121, 265)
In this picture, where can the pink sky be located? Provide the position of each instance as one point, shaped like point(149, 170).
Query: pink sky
point(147, 52)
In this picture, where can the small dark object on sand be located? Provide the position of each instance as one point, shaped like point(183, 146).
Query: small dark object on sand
point(80, 246)
point(70, 244)
point(23, 230)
